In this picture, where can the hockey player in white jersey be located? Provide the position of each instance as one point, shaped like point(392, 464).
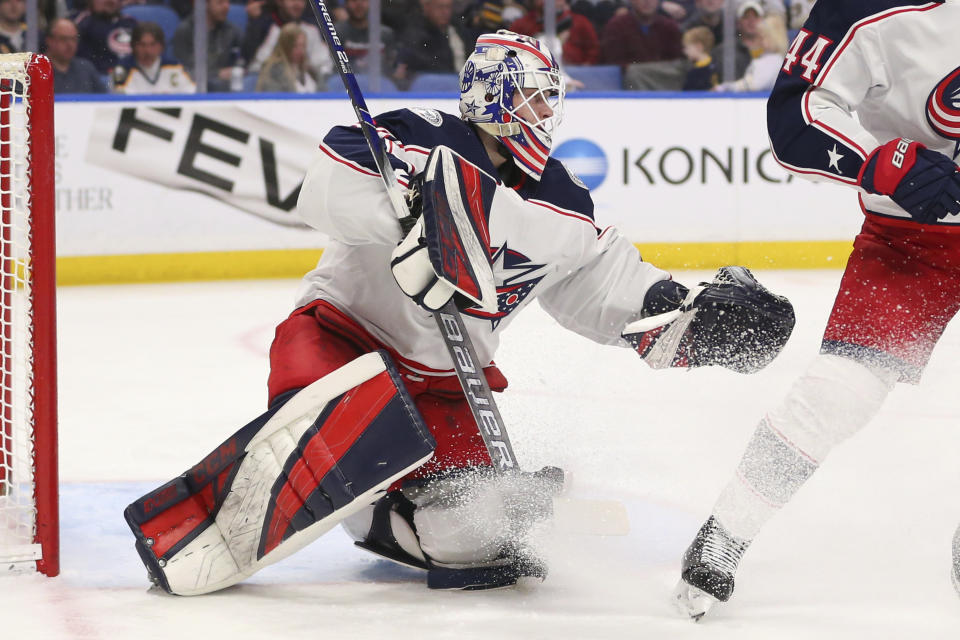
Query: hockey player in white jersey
point(367, 422)
point(868, 96)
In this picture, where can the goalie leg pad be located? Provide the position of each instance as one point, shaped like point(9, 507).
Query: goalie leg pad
point(283, 480)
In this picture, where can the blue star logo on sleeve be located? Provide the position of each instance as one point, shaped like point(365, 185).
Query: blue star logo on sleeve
point(834, 158)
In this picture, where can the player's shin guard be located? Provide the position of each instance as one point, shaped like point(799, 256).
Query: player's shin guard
point(283, 480)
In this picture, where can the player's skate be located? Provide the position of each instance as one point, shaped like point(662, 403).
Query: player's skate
point(709, 565)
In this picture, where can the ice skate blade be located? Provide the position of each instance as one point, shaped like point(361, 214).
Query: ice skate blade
point(691, 601)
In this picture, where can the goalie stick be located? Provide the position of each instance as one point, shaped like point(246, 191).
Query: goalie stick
point(467, 366)
point(609, 517)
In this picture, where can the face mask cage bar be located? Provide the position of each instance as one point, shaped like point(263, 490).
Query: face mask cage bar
point(543, 87)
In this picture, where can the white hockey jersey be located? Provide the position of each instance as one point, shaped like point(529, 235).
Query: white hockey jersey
point(164, 76)
point(544, 244)
point(861, 73)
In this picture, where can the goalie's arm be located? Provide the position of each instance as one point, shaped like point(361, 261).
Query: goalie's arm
point(342, 194)
point(605, 291)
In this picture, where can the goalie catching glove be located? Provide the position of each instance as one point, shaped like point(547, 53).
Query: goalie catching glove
point(732, 321)
point(445, 251)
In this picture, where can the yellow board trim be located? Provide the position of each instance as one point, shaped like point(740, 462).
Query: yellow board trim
point(293, 263)
point(755, 255)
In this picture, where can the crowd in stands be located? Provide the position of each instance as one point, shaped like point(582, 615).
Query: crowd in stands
point(99, 46)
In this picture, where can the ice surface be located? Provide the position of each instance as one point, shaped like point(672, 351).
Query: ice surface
point(153, 377)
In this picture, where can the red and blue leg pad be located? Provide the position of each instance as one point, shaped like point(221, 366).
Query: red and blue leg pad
point(283, 480)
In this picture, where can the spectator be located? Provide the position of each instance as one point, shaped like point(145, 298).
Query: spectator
point(741, 52)
point(354, 35)
point(709, 14)
point(148, 71)
point(104, 34)
point(511, 11)
point(50, 10)
point(13, 29)
point(262, 36)
point(223, 44)
point(399, 15)
point(640, 35)
point(750, 15)
point(698, 42)
point(286, 69)
point(487, 16)
point(70, 73)
point(762, 71)
point(575, 32)
point(798, 11)
point(433, 44)
point(679, 10)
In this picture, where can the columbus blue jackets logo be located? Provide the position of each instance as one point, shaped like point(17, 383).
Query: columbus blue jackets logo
point(514, 282)
point(943, 108)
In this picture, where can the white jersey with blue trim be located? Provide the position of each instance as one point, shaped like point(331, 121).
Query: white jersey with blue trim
point(861, 73)
point(163, 76)
point(544, 244)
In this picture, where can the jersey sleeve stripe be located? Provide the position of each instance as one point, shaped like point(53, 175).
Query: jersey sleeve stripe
point(851, 33)
point(563, 212)
point(350, 163)
point(357, 167)
point(806, 170)
point(830, 131)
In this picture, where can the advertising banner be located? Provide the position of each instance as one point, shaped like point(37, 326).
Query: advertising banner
point(142, 177)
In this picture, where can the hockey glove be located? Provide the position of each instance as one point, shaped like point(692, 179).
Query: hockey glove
point(732, 321)
point(925, 183)
point(414, 273)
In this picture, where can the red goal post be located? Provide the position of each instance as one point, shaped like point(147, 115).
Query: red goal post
point(29, 517)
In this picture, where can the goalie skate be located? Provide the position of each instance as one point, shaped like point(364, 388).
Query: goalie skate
point(709, 566)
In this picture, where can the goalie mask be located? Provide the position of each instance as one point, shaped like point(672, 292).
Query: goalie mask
point(503, 87)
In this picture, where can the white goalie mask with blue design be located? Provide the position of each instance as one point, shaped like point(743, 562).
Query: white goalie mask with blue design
point(511, 87)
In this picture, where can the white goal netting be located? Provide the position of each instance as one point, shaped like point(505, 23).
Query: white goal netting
point(18, 509)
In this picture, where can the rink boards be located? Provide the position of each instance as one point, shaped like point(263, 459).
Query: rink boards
point(206, 188)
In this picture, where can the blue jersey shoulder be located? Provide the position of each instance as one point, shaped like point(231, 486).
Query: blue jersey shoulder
point(560, 187)
point(833, 19)
point(428, 128)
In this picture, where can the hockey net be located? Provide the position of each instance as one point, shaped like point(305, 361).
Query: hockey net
point(29, 539)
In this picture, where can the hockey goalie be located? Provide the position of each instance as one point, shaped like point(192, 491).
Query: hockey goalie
point(367, 425)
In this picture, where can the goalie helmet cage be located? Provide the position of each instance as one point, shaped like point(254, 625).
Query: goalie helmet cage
point(29, 519)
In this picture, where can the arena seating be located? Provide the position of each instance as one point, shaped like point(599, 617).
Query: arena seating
point(166, 17)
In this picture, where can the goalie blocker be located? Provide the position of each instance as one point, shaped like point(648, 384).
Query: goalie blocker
point(283, 480)
point(732, 321)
